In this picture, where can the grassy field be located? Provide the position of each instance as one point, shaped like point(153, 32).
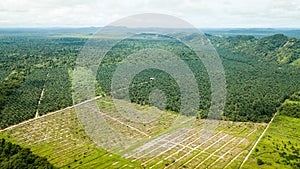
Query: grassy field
point(166, 140)
point(280, 146)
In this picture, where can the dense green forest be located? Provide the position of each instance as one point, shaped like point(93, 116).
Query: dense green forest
point(260, 73)
point(256, 84)
point(32, 63)
point(291, 106)
point(13, 156)
point(141, 86)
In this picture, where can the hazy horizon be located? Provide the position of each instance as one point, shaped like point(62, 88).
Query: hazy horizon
point(90, 27)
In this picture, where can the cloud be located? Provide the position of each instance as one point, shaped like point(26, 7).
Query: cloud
point(201, 13)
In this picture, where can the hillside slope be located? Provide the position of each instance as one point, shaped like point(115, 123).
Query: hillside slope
point(276, 48)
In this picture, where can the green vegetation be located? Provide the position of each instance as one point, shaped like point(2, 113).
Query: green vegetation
point(280, 146)
point(9, 86)
point(256, 83)
point(261, 73)
point(141, 87)
point(57, 89)
point(276, 48)
point(22, 104)
point(291, 107)
point(29, 63)
point(255, 88)
point(3, 74)
point(13, 156)
point(61, 139)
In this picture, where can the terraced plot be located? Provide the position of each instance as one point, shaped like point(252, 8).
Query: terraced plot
point(168, 141)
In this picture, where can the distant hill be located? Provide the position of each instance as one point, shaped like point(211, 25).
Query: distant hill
point(276, 48)
point(257, 32)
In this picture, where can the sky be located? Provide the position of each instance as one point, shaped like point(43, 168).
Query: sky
point(200, 13)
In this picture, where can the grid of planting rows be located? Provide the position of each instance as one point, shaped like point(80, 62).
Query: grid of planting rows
point(158, 144)
point(199, 147)
point(60, 138)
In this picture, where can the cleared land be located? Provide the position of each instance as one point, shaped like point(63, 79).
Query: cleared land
point(198, 146)
point(167, 141)
point(61, 139)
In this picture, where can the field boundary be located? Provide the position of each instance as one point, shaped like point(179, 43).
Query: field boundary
point(258, 140)
point(48, 114)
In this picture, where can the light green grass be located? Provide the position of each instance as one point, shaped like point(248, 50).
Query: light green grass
point(279, 147)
